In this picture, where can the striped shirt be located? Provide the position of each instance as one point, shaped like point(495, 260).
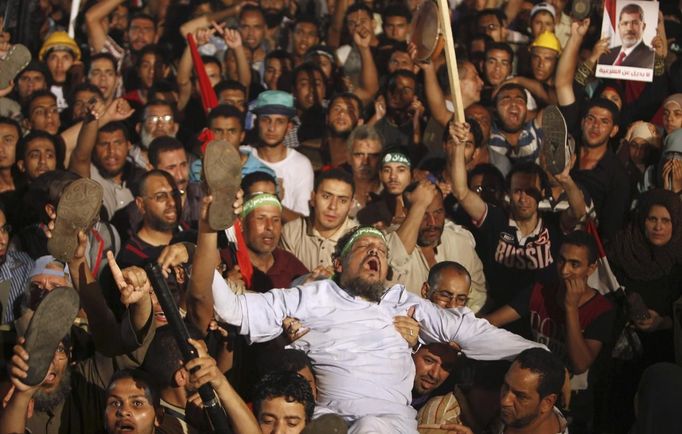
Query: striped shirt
point(526, 150)
point(15, 269)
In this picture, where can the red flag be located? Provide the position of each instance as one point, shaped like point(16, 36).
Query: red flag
point(243, 260)
point(208, 96)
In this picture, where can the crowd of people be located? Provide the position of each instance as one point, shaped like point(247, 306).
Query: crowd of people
point(344, 252)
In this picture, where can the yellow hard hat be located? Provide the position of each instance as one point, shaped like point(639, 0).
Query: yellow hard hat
point(59, 41)
point(547, 39)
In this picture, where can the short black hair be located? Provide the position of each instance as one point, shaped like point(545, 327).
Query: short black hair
point(57, 143)
point(511, 86)
point(497, 13)
point(103, 55)
point(142, 380)
point(164, 357)
point(288, 385)
point(347, 95)
point(309, 19)
point(397, 10)
point(502, 46)
point(391, 82)
point(83, 87)
point(436, 271)
point(225, 111)
point(162, 144)
point(26, 109)
point(159, 102)
point(157, 50)
point(583, 239)
point(606, 104)
point(288, 359)
point(487, 169)
point(309, 68)
point(140, 187)
point(115, 126)
point(549, 368)
point(255, 177)
point(335, 174)
point(4, 120)
point(359, 6)
point(212, 59)
point(250, 8)
point(229, 85)
point(141, 16)
point(528, 168)
point(476, 130)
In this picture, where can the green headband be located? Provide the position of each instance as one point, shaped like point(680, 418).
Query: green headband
point(259, 200)
point(396, 157)
point(366, 231)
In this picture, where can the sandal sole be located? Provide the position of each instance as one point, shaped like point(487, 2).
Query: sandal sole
point(49, 324)
point(222, 172)
point(78, 210)
point(555, 136)
point(16, 60)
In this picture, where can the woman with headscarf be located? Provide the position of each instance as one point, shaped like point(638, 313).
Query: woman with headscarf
point(646, 257)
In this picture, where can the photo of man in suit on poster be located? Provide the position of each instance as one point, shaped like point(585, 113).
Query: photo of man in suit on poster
point(629, 32)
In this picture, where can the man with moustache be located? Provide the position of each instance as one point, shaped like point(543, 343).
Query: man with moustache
point(344, 113)
point(158, 119)
point(364, 366)
point(426, 238)
point(633, 51)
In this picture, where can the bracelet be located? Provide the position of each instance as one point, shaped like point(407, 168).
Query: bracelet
point(659, 66)
point(584, 72)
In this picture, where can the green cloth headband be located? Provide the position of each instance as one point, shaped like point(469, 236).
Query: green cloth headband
point(258, 201)
point(366, 231)
point(396, 157)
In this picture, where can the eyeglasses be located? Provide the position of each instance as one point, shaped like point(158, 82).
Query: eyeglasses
point(164, 196)
point(5, 229)
point(460, 299)
point(165, 119)
point(491, 27)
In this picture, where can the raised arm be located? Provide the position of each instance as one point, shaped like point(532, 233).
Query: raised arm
point(435, 99)
point(420, 199)
point(81, 157)
point(472, 204)
point(204, 370)
point(369, 78)
point(577, 208)
point(568, 63)
point(233, 39)
point(336, 26)
point(97, 32)
point(206, 260)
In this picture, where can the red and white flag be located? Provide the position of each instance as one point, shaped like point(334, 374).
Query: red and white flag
point(608, 26)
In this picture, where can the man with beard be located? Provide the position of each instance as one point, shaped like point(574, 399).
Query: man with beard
point(530, 393)
point(401, 125)
point(158, 119)
point(275, 109)
point(101, 153)
point(70, 398)
point(426, 238)
point(158, 200)
point(364, 366)
point(313, 239)
point(344, 113)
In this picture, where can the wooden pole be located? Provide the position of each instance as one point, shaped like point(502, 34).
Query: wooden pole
point(451, 59)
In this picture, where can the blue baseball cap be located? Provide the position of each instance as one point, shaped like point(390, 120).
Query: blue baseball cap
point(275, 102)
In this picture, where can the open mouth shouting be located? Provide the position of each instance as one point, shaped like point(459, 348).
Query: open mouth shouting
point(125, 426)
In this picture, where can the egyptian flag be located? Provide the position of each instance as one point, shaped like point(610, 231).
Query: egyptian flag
point(608, 25)
point(209, 100)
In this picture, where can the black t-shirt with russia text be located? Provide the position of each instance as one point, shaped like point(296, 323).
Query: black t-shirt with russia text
point(512, 263)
